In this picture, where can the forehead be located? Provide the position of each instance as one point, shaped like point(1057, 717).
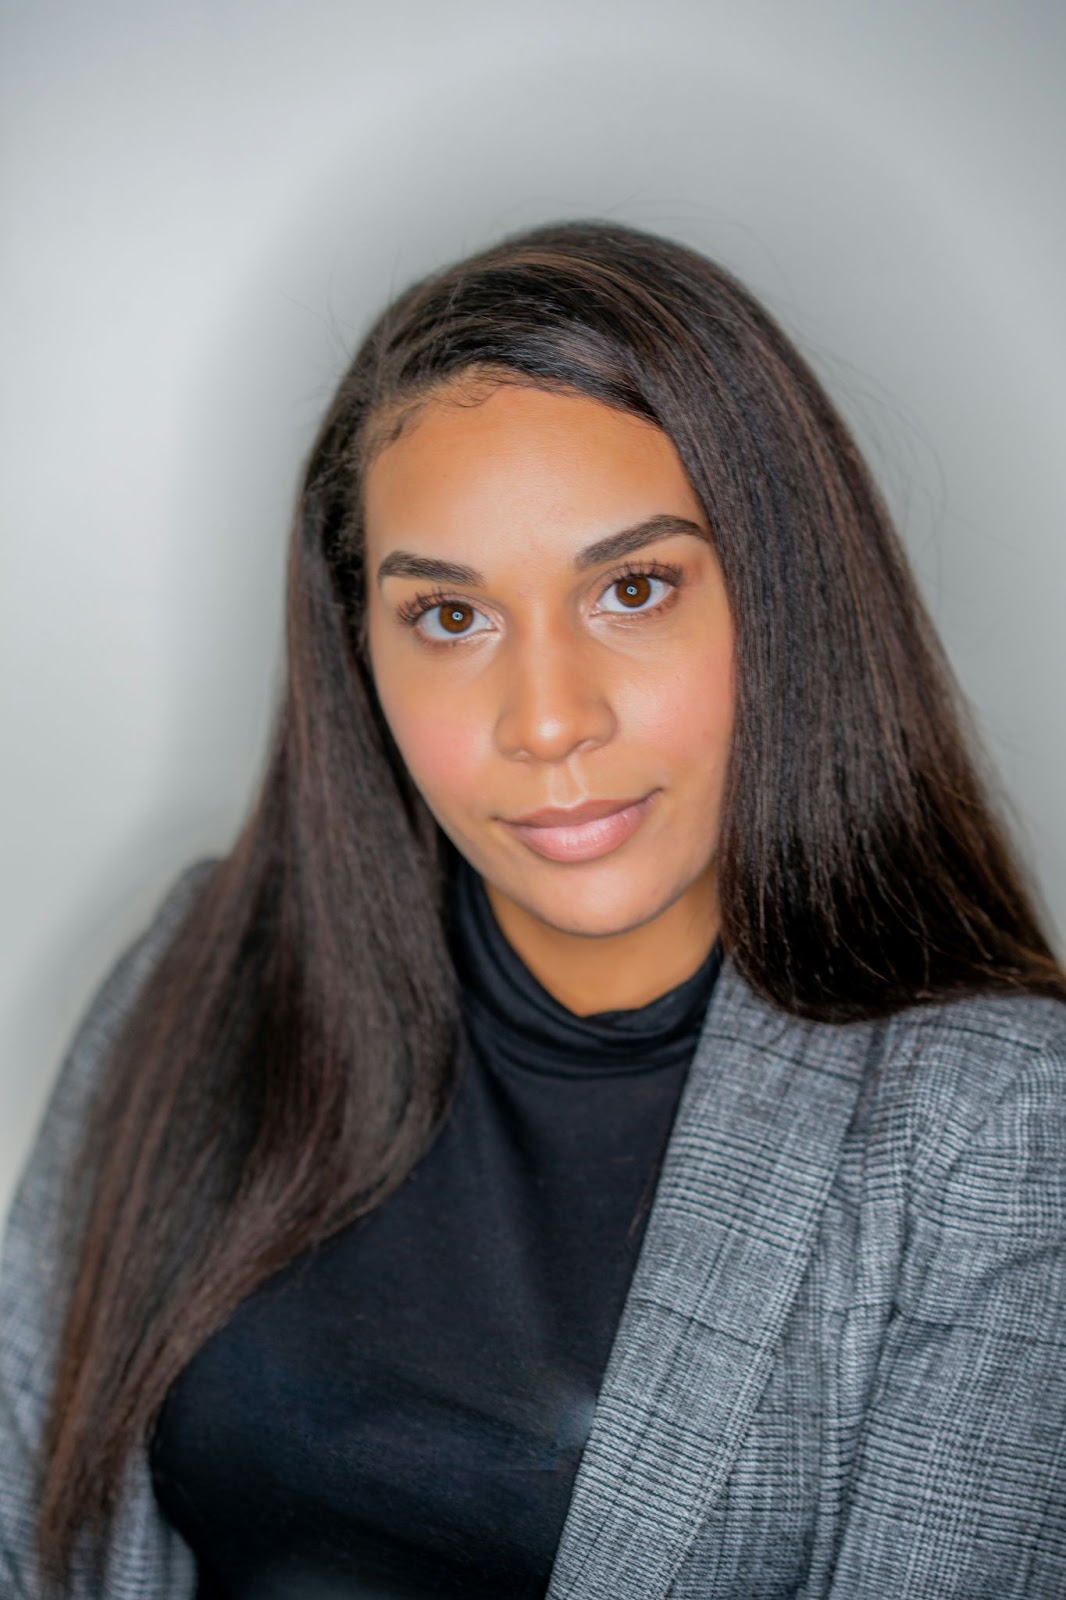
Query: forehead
point(511, 457)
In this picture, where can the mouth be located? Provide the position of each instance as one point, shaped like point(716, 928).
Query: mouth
point(583, 841)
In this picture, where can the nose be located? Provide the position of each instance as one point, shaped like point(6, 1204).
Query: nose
point(554, 697)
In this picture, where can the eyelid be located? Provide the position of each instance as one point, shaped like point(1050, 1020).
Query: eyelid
point(410, 612)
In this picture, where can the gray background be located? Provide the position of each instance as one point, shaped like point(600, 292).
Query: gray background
point(204, 201)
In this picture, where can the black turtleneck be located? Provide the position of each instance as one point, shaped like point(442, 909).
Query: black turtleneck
point(402, 1412)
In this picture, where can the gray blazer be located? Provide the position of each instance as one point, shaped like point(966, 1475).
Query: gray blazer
point(841, 1367)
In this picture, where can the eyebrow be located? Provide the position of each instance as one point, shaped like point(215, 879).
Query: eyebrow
point(405, 564)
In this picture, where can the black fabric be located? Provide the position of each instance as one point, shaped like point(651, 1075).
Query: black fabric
point(402, 1412)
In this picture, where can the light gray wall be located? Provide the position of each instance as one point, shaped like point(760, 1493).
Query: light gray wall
point(203, 202)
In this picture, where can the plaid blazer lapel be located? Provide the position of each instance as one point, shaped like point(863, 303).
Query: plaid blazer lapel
point(746, 1172)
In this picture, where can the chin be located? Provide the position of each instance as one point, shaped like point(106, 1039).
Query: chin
point(593, 908)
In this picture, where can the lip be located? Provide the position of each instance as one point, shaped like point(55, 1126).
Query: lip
point(570, 816)
point(583, 832)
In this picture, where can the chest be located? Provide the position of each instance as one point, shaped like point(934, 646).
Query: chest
point(407, 1406)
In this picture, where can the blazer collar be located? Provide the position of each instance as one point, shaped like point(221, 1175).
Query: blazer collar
point(745, 1175)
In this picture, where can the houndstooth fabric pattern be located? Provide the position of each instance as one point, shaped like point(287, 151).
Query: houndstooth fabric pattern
point(840, 1371)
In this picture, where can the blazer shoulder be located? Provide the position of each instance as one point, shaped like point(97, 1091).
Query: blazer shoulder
point(992, 1035)
point(36, 1264)
point(36, 1193)
point(950, 1066)
point(112, 999)
point(115, 996)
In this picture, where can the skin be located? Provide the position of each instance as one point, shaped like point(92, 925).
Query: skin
point(549, 689)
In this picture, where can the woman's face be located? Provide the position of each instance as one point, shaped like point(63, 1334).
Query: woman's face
point(541, 675)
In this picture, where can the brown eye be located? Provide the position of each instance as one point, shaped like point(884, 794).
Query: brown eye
point(439, 619)
point(454, 617)
point(634, 590)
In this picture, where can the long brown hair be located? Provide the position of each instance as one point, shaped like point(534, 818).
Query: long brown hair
point(289, 1057)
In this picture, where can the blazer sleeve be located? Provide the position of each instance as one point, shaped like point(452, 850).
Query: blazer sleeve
point(960, 1484)
point(34, 1274)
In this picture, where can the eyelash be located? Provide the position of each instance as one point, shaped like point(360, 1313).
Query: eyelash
point(411, 611)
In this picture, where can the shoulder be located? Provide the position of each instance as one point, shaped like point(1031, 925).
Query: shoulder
point(955, 1063)
point(114, 997)
point(36, 1264)
point(36, 1195)
point(994, 1032)
point(973, 1094)
point(930, 1074)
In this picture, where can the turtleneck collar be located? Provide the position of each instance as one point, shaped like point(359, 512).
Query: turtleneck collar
point(526, 1027)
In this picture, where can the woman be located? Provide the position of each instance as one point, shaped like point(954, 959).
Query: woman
point(600, 1132)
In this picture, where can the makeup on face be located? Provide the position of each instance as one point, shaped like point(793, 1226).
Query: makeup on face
point(583, 837)
point(552, 648)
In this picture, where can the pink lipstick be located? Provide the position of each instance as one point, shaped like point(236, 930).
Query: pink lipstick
point(581, 833)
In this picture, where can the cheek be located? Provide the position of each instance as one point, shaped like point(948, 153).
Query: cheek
point(686, 714)
point(443, 741)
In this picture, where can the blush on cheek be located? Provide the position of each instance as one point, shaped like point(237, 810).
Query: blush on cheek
point(440, 758)
point(689, 717)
